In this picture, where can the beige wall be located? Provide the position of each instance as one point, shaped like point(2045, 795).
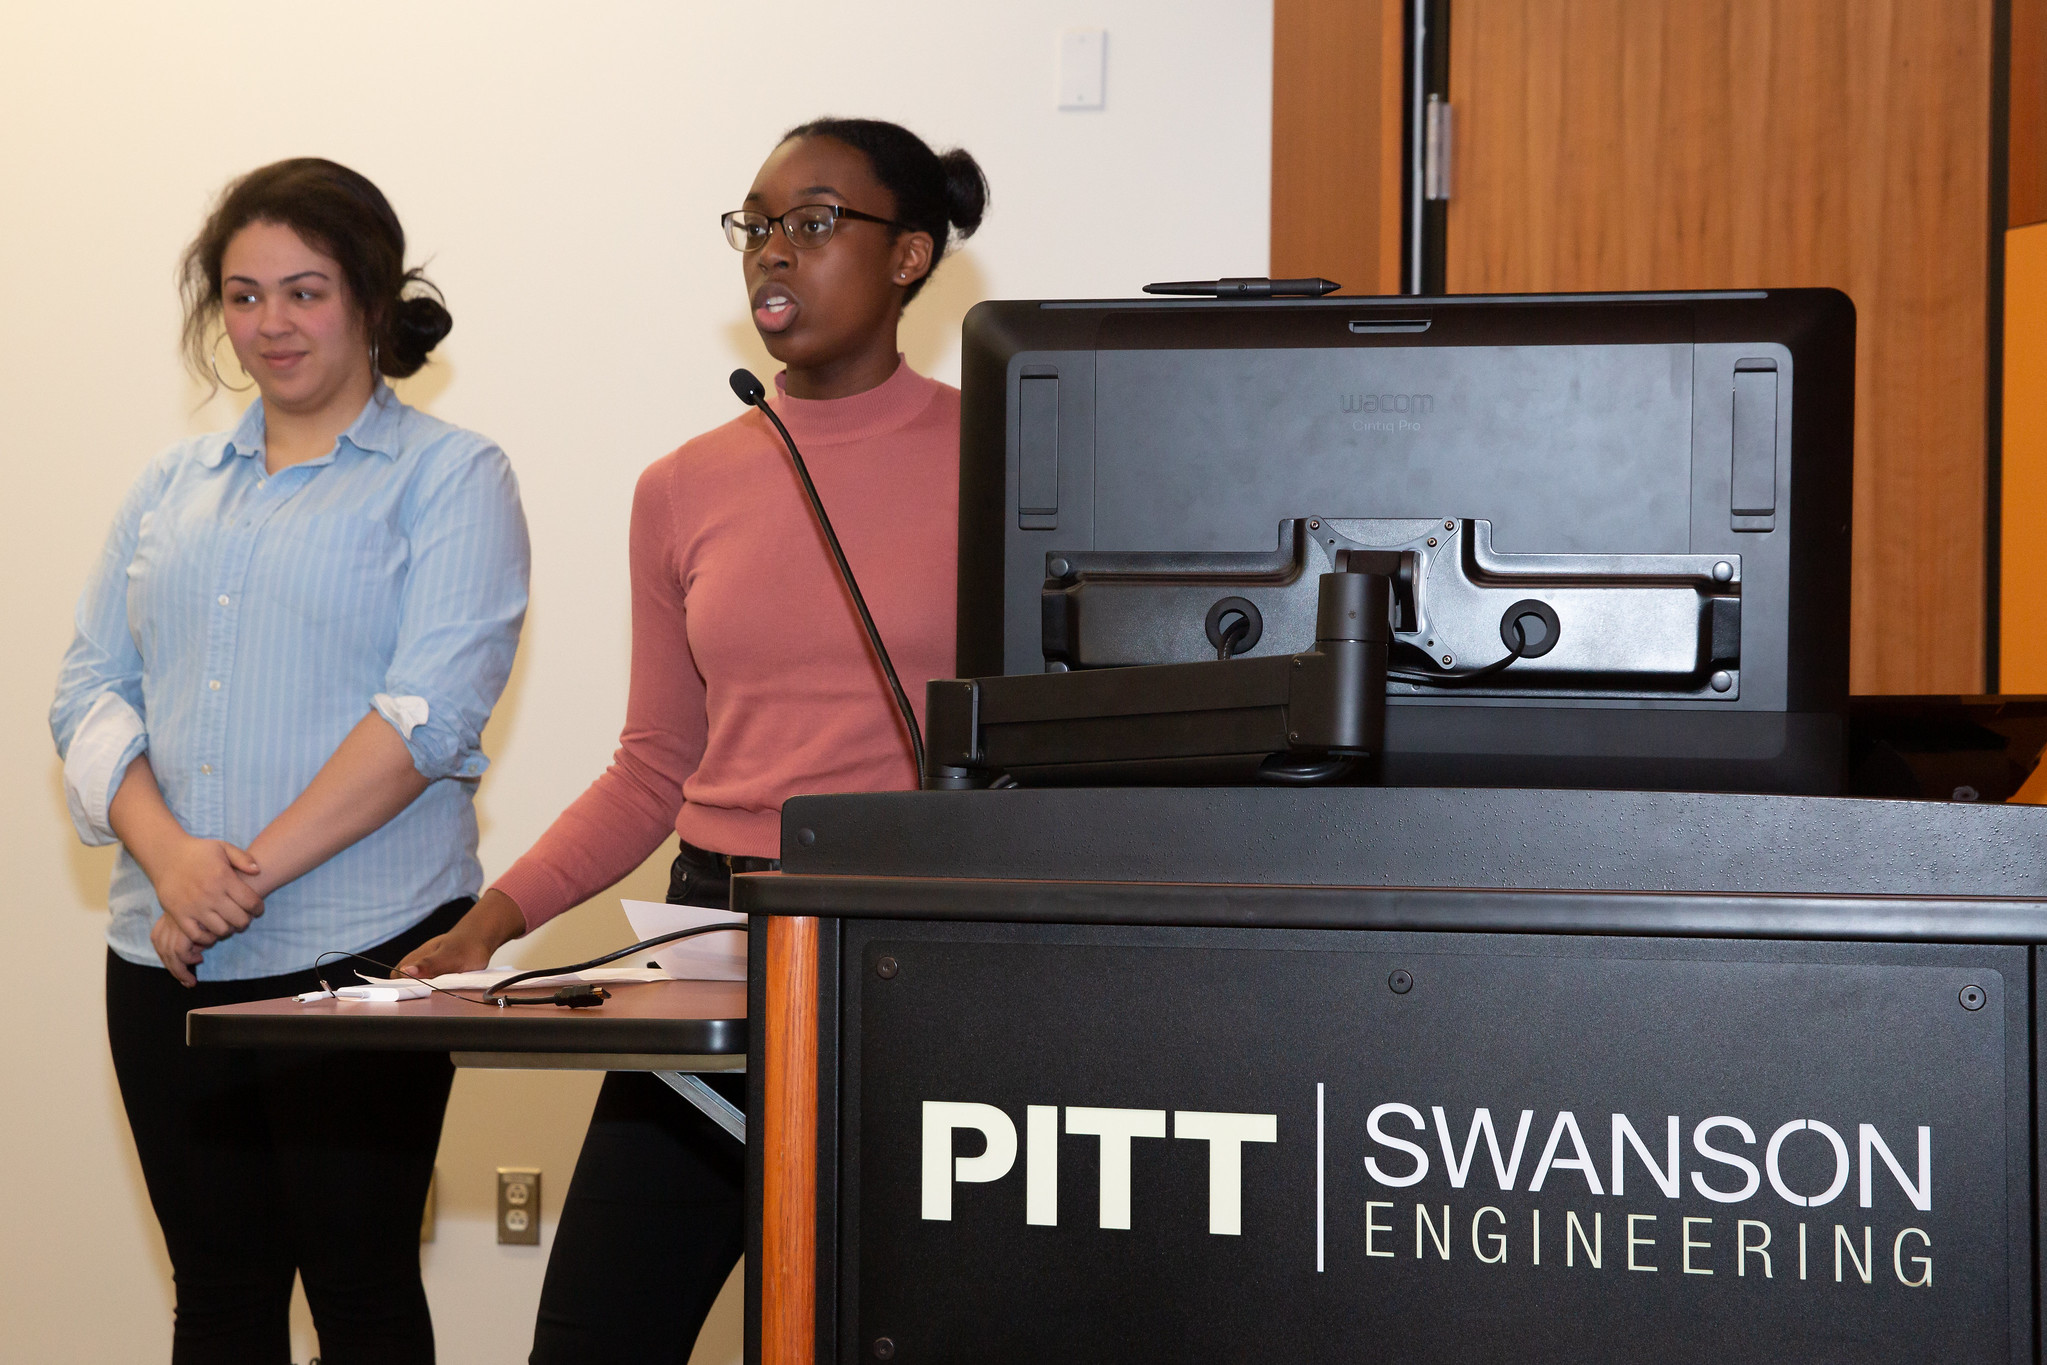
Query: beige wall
point(561, 168)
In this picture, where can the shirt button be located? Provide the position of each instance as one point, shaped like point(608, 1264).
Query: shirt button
point(223, 599)
point(206, 768)
point(215, 684)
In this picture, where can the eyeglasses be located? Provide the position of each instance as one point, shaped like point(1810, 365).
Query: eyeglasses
point(806, 225)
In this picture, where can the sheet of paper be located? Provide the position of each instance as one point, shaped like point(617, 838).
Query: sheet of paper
point(383, 991)
point(706, 957)
point(469, 983)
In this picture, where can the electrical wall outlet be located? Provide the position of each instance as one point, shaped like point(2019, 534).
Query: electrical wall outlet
point(518, 1206)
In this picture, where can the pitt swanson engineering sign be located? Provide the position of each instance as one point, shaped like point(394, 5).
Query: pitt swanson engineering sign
point(1741, 1239)
point(1158, 1144)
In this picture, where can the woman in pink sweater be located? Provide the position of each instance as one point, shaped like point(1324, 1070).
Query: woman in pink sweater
point(751, 678)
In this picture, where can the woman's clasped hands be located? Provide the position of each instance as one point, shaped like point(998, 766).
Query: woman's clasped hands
point(206, 889)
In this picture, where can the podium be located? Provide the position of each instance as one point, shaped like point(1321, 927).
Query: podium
point(1428, 1074)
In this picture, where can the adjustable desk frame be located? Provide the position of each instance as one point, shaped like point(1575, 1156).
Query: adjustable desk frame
point(631, 1032)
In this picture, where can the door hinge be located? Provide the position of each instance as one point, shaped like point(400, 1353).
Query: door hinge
point(1436, 139)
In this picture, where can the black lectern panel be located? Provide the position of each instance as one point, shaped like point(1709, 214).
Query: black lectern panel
point(1713, 842)
point(1073, 1039)
point(1066, 1142)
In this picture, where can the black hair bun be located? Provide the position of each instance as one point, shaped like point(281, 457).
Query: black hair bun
point(940, 195)
point(966, 190)
point(418, 324)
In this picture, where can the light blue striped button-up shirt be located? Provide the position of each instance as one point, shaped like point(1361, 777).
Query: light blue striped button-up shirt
point(239, 624)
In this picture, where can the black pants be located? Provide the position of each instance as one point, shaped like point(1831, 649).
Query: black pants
point(654, 1219)
point(262, 1165)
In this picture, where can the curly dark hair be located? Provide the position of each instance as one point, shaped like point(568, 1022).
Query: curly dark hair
point(341, 214)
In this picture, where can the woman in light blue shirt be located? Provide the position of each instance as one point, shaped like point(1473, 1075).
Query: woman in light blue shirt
point(283, 664)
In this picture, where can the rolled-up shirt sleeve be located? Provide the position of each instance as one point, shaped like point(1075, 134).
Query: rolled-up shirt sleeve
point(464, 601)
point(98, 716)
point(109, 738)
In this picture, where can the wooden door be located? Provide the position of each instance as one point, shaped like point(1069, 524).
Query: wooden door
point(2022, 590)
point(1695, 144)
point(2023, 601)
point(1336, 82)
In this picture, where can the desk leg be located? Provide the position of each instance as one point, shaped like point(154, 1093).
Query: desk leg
point(788, 1134)
point(715, 1106)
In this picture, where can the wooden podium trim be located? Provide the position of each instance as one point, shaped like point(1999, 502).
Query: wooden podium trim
point(788, 1136)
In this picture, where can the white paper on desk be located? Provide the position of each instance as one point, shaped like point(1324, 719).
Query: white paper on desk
point(706, 957)
point(384, 989)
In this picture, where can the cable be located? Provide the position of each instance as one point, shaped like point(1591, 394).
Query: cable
point(491, 997)
point(1408, 675)
point(1310, 773)
point(1314, 773)
point(581, 995)
point(1232, 637)
point(751, 392)
point(396, 976)
point(628, 950)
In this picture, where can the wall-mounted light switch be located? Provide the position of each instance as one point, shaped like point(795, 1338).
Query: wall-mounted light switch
point(1083, 67)
point(518, 1206)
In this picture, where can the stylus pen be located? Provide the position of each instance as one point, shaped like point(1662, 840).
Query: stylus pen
point(1243, 287)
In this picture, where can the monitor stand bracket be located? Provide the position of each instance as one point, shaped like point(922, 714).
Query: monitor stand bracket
point(1594, 625)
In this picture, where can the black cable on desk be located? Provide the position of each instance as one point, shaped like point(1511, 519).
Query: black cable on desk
point(567, 996)
point(654, 942)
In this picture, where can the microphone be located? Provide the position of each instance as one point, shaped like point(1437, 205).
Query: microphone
point(751, 392)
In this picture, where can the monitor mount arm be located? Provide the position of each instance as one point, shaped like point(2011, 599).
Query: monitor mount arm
point(1182, 666)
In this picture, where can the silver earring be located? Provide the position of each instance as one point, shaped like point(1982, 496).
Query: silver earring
point(213, 363)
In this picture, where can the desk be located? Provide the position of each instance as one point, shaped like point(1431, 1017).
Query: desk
point(1427, 1074)
point(674, 1029)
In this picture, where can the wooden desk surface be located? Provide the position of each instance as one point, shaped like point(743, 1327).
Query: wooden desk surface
point(701, 1018)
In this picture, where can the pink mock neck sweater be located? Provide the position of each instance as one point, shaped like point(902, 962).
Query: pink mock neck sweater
point(751, 679)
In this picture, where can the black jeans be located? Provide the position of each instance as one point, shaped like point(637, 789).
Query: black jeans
point(655, 1216)
point(263, 1164)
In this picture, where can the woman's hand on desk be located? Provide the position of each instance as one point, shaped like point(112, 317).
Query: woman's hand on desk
point(178, 954)
point(490, 924)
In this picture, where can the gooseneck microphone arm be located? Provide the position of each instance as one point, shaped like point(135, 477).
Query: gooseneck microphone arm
point(754, 394)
